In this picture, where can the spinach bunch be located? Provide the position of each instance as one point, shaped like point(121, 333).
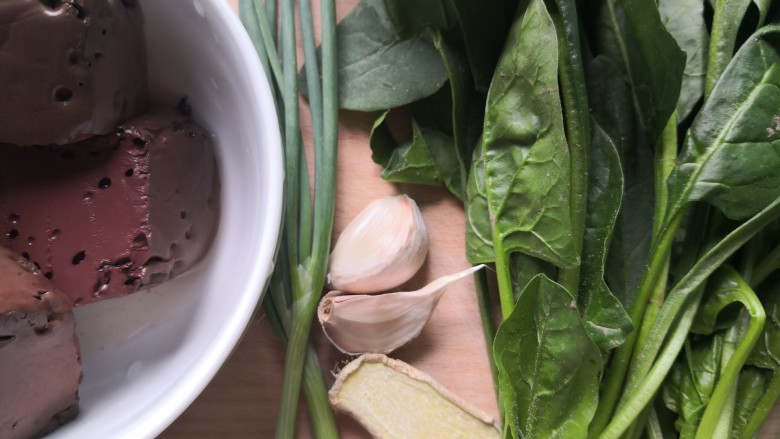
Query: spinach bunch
point(619, 163)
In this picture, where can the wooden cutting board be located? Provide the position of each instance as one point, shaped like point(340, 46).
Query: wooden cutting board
point(243, 399)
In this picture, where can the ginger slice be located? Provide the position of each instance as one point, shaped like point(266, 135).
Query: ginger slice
point(393, 400)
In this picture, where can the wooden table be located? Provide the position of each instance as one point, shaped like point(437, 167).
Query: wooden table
point(242, 401)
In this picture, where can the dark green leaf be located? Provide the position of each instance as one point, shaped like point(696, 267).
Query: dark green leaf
point(671, 390)
point(750, 389)
point(725, 27)
point(763, 9)
point(412, 17)
point(441, 126)
point(605, 318)
point(527, 169)
point(650, 58)
point(703, 355)
point(524, 268)
point(378, 70)
point(684, 19)
point(611, 101)
point(484, 25)
point(719, 309)
point(461, 103)
point(427, 159)
point(408, 163)
point(441, 148)
point(766, 354)
point(732, 155)
point(681, 396)
point(548, 366)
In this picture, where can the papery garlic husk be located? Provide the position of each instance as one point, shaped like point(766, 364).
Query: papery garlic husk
point(393, 400)
point(381, 248)
point(361, 323)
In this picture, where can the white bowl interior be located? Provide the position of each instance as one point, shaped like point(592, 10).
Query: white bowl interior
point(147, 356)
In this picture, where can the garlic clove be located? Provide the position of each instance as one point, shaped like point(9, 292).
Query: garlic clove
point(360, 323)
point(381, 248)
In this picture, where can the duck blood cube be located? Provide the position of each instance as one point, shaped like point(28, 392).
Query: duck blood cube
point(70, 68)
point(40, 367)
point(110, 214)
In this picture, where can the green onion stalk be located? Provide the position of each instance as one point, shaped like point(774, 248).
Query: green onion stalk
point(302, 260)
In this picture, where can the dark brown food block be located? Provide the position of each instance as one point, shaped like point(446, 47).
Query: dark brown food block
point(113, 213)
point(40, 367)
point(69, 68)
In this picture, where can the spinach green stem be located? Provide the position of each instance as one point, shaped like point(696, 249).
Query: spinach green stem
point(725, 389)
point(767, 266)
point(644, 393)
point(730, 341)
point(618, 367)
point(505, 293)
point(723, 38)
point(488, 324)
point(647, 372)
point(706, 265)
point(748, 258)
point(666, 159)
point(577, 119)
point(764, 407)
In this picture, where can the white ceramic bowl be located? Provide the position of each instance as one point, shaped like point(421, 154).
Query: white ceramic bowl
point(147, 356)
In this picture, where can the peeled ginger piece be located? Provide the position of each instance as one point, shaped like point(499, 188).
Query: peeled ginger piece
point(393, 400)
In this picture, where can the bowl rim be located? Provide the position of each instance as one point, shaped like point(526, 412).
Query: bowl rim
point(195, 381)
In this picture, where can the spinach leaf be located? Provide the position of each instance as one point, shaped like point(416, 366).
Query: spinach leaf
point(650, 58)
point(716, 368)
point(461, 102)
point(703, 356)
point(484, 25)
point(412, 17)
point(605, 318)
point(442, 126)
point(725, 26)
point(612, 108)
point(763, 10)
point(524, 269)
point(731, 155)
point(766, 354)
point(426, 159)
point(548, 366)
point(527, 168)
point(377, 69)
point(686, 391)
point(684, 19)
point(750, 389)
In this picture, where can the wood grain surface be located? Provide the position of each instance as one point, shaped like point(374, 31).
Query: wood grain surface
point(242, 401)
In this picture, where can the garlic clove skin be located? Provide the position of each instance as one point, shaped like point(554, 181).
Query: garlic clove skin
point(364, 323)
point(383, 247)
